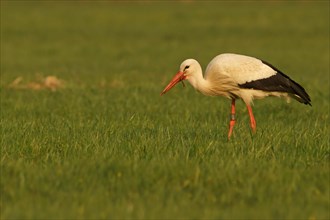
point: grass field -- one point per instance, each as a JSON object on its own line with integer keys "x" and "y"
{"x": 106, "y": 145}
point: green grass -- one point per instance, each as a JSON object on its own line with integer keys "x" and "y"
{"x": 108, "y": 146}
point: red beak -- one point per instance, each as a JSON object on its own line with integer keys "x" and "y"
{"x": 176, "y": 79}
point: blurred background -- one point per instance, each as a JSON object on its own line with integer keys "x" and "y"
{"x": 88, "y": 43}
{"x": 85, "y": 134}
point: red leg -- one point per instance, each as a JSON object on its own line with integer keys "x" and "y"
{"x": 232, "y": 118}
{"x": 253, "y": 123}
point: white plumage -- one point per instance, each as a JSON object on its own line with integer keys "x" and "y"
{"x": 237, "y": 76}
{"x": 240, "y": 68}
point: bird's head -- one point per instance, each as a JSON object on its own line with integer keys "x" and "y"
{"x": 188, "y": 69}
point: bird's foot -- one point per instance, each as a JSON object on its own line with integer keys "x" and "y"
{"x": 253, "y": 127}
{"x": 231, "y": 126}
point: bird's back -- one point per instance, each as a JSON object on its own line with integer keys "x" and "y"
{"x": 239, "y": 68}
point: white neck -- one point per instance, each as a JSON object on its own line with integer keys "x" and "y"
{"x": 198, "y": 82}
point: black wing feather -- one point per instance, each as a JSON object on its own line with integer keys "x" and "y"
{"x": 279, "y": 83}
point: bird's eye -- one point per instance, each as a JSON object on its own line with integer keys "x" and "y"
{"x": 186, "y": 67}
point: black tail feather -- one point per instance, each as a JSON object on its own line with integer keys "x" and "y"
{"x": 301, "y": 92}
{"x": 296, "y": 88}
{"x": 279, "y": 83}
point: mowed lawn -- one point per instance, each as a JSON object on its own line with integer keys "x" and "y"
{"x": 106, "y": 145}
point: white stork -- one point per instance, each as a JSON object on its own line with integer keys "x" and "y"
{"x": 237, "y": 76}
